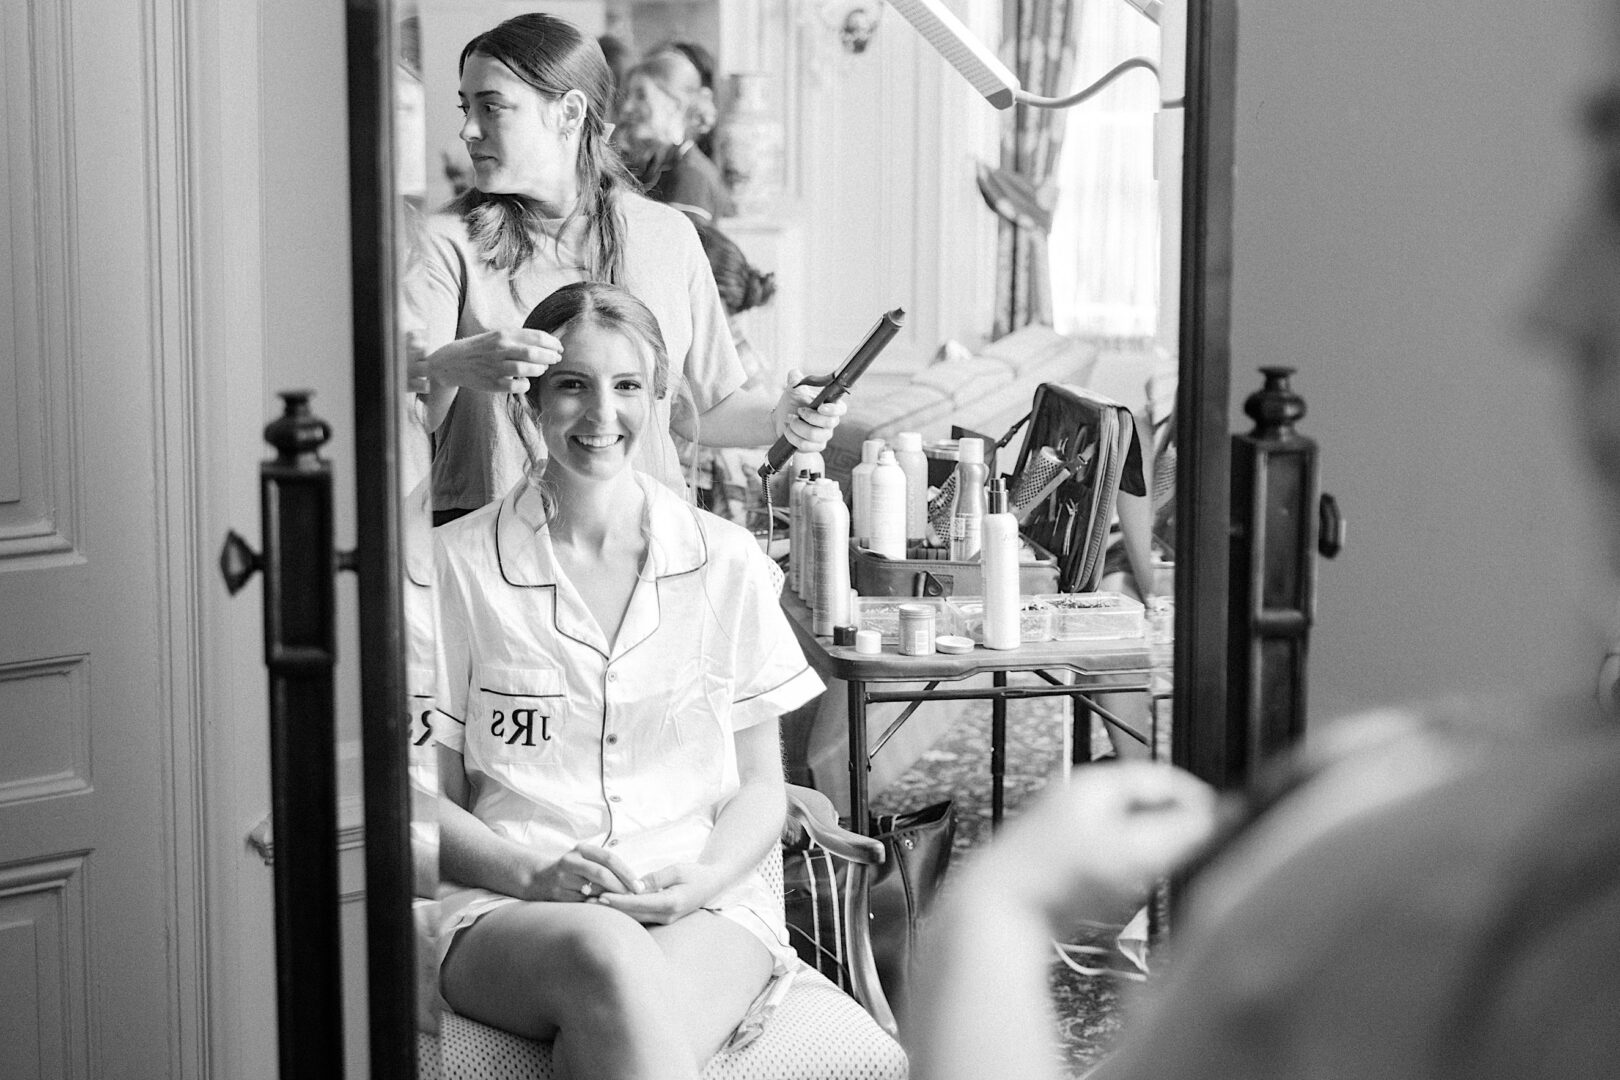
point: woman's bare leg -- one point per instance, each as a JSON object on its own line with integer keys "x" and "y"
{"x": 591, "y": 978}
{"x": 720, "y": 969}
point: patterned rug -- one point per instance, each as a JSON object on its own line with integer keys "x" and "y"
{"x": 958, "y": 767}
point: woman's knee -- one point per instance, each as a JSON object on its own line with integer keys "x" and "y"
{"x": 611, "y": 960}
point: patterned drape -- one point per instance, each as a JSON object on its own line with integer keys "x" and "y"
{"x": 1040, "y": 36}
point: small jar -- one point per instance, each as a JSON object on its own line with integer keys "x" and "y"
{"x": 916, "y": 629}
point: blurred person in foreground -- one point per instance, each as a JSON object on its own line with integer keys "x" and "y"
{"x": 1423, "y": 893}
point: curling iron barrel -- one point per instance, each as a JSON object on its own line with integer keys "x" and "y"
{"x": 838, "y": 384}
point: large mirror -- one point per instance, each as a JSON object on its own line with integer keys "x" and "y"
{"x": 863, "y": 175}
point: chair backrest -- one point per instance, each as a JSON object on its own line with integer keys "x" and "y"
{"x": 1094, "y": 438}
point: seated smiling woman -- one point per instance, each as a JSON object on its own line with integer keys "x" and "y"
{"x": 612, "y": 664}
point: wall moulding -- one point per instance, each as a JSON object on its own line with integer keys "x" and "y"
{"x": 39, "y": 460}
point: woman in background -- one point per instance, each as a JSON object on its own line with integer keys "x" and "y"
{"x": 552, "y": 204}
{"x": 612, "y": 664}
{"x": 661, "y": 109}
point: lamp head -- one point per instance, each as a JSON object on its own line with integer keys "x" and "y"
{"x": 945, "y": 32}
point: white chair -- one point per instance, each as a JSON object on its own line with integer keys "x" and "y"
{"x": 817, "y": 1033}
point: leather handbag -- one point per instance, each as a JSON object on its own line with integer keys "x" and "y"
{"x": 917, "y": 852}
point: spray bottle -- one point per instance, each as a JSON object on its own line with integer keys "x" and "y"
{"x": 908, "y": 454}
{"x": 967, "y": 510}
{"x": 860, "y": 485}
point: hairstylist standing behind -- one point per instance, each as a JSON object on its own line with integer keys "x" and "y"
{"x": 551, "y": 204}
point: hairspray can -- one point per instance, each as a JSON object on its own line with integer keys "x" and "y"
{"x": 967, "y": 508}
{"x": 829, "y": 520}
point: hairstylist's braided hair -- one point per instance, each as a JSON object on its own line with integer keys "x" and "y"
{"x": 551, "y": 55}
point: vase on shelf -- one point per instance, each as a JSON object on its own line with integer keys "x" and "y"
{"x": 750, "y": 143}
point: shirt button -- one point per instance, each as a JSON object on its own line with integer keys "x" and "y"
{"x": 615, "y": 798}
{"x": 612, "y": 843}
{"x": 613, "y": 676}
{"x": 612, "y": 739}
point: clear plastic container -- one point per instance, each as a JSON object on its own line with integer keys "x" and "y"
{"x": 1094, "y": 616}
{"x": 1035, "y": 618}
{"x": 882, "y": 613}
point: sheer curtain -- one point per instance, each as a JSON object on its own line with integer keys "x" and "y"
{"x": 1104, "y": 244}
{"x": 1041, "y": 35}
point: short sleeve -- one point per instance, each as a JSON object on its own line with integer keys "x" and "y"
{"x": 713, "y": 370}
{"x": 435, "y": 287}
{"x": 772, "y": 675}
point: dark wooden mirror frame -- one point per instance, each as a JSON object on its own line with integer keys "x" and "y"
{"x": 1200, "y": 734}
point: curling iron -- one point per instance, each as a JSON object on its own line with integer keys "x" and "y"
{"x": 838, "y": 384}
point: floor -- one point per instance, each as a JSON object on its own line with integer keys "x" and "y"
{"x": 957, "y": 767}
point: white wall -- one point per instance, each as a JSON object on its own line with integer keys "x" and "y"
{"x": 1398, "y": 168}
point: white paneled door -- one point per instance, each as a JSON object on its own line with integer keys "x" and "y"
{"x": 90, "y": 949}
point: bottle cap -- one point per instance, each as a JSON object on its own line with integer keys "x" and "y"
{"x": 953, "y": 643}
{"x": 996, "y": 499}
{"x": 886, "y": 457}
{"x": 970, "y": 450}
{"x": 868, "y": 642}
{"x": 870, "y": 448}
{"x": 908, "y": 441}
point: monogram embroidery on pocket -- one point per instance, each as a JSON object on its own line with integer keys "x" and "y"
{"x": 520, "y": 713}
{"x": 519, "y": 725}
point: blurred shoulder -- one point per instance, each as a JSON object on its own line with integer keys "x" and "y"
{"x": 1468, "y": 790}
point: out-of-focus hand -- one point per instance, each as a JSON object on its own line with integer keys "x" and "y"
{"x": 496, "y": 361}
{"x": 807, "y": 429}
{"x": 417, "y": 380}
{"x": 585, "y": 873}
{"x": 671, "y": 893}
{"x": 1096, "y": 845}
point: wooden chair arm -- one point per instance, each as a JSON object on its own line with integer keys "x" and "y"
{"x": 811, "y": 811}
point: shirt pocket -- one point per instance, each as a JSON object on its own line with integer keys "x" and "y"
{"x": 517, "y": 714}
{"x": 425, "y": 723}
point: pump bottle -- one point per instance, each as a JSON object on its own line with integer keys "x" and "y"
{"x": 1000, "y": 558}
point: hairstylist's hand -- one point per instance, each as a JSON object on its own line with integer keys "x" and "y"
{"x": 1093, "y": 847}
{"x": 496, "y": 361}
{"x": 585, "y": 873}
{"x": 417, "y": 376}
{"x": 806, "y": 428}
{"x": 675, "y": 891}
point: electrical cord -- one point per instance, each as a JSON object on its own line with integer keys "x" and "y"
{"x": 1024, "y": 97}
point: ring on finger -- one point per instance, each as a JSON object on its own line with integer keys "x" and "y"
{"x": 585, "y": 889}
